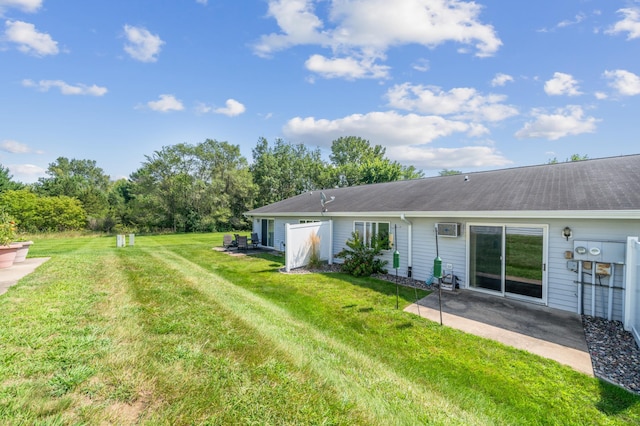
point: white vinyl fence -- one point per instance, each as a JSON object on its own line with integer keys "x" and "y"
{"x": 632, "y": 299}
{"x": 298, "y": 243}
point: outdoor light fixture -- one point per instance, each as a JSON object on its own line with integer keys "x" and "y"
{"x": 567, "y": 233}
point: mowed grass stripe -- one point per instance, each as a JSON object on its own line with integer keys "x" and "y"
{"x": 209, "y": 366}
{"x": 369, "y": 384}
{"x": 141, "y": 335}
{"x": 52, "y": 338}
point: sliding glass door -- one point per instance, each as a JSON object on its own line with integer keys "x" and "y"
{"x": 485, "y": 246}
{"x": 508, "y": 260}
{"x": 268, "y": 232}
{"x": 523, "y": 264}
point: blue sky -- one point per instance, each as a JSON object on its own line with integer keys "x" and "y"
{"x": 440, "y": 83}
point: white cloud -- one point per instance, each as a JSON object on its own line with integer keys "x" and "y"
{"x": 232, "y": 108}
{"x": 404, "y": 136}
{"x": 66, "y": 89}
{"x": 461, "y": 103}
{"x": 349, "y": 68}
{"x": 364, "y": 31}
{"x": 26, "y": 173}
{"x": 24, "y": 5}
{"x": 298, "y": 23}
{"x": 600, "y": 95}
{"x": 561, "y": 84}
{"x": 421, "y": 65}
{"x": 563, "y": 122}
{"x": 501, "y": 79}
{"x": 624, "y": 82}
{"x": 29, "y": 40}
{"x": 386, "y": 128}
{"x": 202, "y": 108}
{"x": 202, "y": 2}
{"x": 629, "y": 24}
{"x": 15, "y": 147}
{"x": 568, "y": 22}
{"x": 166, "y": 103}
{"x": 142, "y": 45}
{"x": 448, "y": 158}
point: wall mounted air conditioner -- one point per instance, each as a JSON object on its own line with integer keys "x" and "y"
{"x": 448, "y": 229}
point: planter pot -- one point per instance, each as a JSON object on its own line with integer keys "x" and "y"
{"x": 8, "y": 255}
{"x": 21, "y": 254}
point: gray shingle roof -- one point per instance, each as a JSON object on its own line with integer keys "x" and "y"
{"x": 593, "y": 185}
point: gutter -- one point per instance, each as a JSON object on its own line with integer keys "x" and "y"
{"x": 409, "y": 244}
{"x": 475, "y": 214}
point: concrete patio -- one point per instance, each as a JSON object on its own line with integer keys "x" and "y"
{"x": 551, "y": 333}
{"x": 10, "y": 276}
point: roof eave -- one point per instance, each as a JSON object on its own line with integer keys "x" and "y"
{"x": 525, "y": 214}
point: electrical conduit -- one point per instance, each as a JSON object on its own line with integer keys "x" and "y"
{"x": 409, "y": 244}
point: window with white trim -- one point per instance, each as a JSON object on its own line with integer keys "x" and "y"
{"x": 367, "y": 229}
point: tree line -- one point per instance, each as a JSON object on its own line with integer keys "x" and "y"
{"x": 190, "y": 187}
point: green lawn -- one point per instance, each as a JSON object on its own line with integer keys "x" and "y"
{"x": 172, "y": 332}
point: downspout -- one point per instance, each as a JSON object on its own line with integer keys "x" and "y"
{"x": 409, "y": 244}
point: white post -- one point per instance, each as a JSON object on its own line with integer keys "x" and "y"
{"x": 580, "y": 284}
{"x": 287, "y": 248}
{"x": 131, "y": 239}
{"x": 593, "y": 288}
{"x": 631, "y": 279}
{"x": 611, "y": 283}
{"x": 330, "y": 241}
{"x": 119, "y": 240}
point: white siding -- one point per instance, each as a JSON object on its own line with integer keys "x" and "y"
{"x": 562, "y": 283}
{"x": 343, "y": 227}
{"x": 450, "y": 249}
{"x": 279, "y": 230}
{"x": 632, "y": 315}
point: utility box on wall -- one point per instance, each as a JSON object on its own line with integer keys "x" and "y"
{"x": 599, "y": 251}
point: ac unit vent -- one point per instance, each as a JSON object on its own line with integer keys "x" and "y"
{"x": 448, "y": 229}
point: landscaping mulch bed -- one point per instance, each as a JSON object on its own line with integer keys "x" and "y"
{"x": 404, "y": 281}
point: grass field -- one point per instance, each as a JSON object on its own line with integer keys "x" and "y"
{"x": 171, "y": 332}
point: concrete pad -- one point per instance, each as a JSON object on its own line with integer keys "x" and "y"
{"x": 11, "y": 276}
{"x": 547, "y": 332}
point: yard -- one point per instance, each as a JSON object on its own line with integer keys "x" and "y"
{"x": 170, "y": 331}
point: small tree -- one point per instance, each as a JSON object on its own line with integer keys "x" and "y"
{"x": 360, "y": 258}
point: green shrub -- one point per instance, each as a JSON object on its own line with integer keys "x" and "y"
{"x": 360, "y": 258}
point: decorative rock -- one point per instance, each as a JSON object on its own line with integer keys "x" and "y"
{"x": 614, "y": 353}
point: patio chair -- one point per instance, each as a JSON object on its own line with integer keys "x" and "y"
{"x": 227, "y": 241}
{"x": 242, "y": 243}
{"x": 255, "y": 240}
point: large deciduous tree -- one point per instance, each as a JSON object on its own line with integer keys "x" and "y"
{"x": 6, "y": 182}
{"x": 284, "y": 170}
{"x": 355, "y": 162}
{"x": 186, "y": 188}
{"x": 80, "y": 179}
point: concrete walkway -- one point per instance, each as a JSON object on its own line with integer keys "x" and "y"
{"x": 547, "y": 332}
{"x": 11, "y": 276}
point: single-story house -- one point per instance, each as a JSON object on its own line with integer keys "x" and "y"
{"x": 562, "y": 235}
